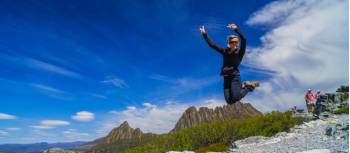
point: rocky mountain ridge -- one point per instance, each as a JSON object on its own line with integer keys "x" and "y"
{"x": 192, "y": 116}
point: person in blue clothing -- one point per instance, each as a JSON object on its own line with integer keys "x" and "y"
{"x": 234, "y": 89}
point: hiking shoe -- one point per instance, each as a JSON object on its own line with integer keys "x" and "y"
{"x": 251, "y": 83}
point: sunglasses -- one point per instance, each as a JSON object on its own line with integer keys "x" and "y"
{"x": 233, "y": 42}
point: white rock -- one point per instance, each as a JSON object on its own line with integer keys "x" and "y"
{"x": 180, "y": 152}
{"x": 317, "y": 151}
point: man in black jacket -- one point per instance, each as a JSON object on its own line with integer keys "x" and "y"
{"x": 234, "y": 89}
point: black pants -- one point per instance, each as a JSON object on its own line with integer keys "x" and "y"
{"x": 233, "y": 90}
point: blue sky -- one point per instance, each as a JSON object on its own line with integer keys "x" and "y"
{"x": 79, "y": 68}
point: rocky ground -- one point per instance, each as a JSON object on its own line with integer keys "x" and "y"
{"x": 319, "y": 136}
{"x": 329, "y": 133}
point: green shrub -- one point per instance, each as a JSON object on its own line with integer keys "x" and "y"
{"x": 220, "y": 133}
{"x": 344, "y": 110}
{"x": 213, "y": 148}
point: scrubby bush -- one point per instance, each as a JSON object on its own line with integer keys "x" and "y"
{"x": 344, "y": 110}
{"x": 213, "y": 147}
{"x": 219, "y": 132}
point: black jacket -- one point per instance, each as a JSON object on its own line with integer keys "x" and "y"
{"x": 230, "y": 61}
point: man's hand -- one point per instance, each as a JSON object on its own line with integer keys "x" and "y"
{"x": 202, "y": 30}
{"x": 232, "y": 26}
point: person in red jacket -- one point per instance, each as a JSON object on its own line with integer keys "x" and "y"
{"x": 309, "y": 99}
{"x": 318, "y": 95}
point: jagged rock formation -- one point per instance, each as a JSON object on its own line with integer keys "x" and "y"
{"x": 123, "y": 132}
{"x": 192, "y": 116}
{"x": 121, "y": 138}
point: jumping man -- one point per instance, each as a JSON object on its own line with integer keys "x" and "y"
{"x": 234, "y": 89}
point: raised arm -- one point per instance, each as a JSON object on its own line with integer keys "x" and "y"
{"x": 209, "y": 41}
{"x": 241, "y": 37}
{"x": 243, "y": 43}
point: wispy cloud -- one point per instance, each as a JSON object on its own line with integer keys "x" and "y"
{"x": 115, "y": 82}
{"x": 13, "y": 129}
{"x": 49, "y": 124}
{"x": 47, "y": 88}
{"x": 98, "y": 95}
{"x": 40, "y": 65}
{"x": 275, "y": 12}
{"x": 3, "y": 133}
{"x": 83, "y": 116}
{"x": 4, "y": 116}
{"x": 51, "y": 68}
{"x": 74, "y": 135}
{"x": 306, "y": 48}
{"x": 179, "y": 86}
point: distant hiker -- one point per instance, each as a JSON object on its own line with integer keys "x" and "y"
{"x": 234, "y": 89}
{"x": 318, "y": 95}
{"x": 309, "y": 99}
{"x": 294, "y": 110}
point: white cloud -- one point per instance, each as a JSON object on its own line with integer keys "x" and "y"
{"x": 153, "y": 118}
{"x": 212, "y": 103}
{"x": 3, "y": 133}
{"x": 54, "y": 122}
{"x": 307, "y": 48}
{"x": 4, "y": 116}
{"x": 274, "y": 12}
{"x": 49, "y": 124}
{"x": 149, "y": 105}
{"x": 83, "y": 116}
{"x": 115, "y": 82}
{"x": 13, "y": 129}
{"x": 41, "y": 127}
{"x": 75, "y": 135}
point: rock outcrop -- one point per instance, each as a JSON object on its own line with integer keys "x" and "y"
{"x": 121, "y": 138}
{"x": 301, "y": 138}
{"x": 331, "y": 102}
{"x": 123, "y": 132}
{"x": 192, "y": 116}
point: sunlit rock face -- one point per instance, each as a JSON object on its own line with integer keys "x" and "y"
{"x": 192, "y": 116}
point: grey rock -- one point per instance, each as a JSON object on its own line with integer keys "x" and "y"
{"x": 307, "y": 138}
{"x": 331, "y": 102}
{"x": 60, "y": 150}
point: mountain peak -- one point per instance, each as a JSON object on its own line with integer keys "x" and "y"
{"x": 125, "y": 124}
{"x": 124, "y": 131}
{"x": 192, "y": 116}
